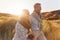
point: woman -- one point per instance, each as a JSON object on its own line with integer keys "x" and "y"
{"x": 22, "y": 26}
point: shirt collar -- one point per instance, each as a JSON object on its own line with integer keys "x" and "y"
{"x": 37, "y": 14}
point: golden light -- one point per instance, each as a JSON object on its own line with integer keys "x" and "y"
{"x": 13, "y": 7}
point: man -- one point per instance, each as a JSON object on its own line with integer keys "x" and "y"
{"x": 36, "y": 23}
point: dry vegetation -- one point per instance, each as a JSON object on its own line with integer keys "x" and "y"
{"x": 51, "y": 25}
{"x": 51, "y": 29}
{"x": 7, "y": 26}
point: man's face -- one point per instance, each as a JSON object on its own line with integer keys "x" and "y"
{"x": 37, "y": 8}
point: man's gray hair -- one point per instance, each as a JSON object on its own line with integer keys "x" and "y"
{"x": 37, "y": 4}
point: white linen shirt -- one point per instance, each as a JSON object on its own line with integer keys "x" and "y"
{"x": 20, "y": 32}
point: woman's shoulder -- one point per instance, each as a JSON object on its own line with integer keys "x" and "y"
{"x": 20, "y": 27}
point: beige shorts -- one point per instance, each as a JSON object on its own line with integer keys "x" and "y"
{"x": 39, "y": 35}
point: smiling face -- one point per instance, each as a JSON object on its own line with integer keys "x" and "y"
{"x": 37, "y": 8}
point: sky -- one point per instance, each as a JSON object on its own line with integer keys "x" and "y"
{"x": 16, "y": 6}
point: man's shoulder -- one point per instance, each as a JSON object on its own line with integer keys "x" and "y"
{"x": 33, "y": 14}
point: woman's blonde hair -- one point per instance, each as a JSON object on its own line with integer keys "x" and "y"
{"x": 25, "y": 20}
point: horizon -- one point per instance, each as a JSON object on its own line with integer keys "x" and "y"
{"x": 16, "y": 6}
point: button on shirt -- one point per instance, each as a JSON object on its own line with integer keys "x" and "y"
{"x": 34, "y": 21}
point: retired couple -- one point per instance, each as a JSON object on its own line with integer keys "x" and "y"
{"x": 29, "y": 26}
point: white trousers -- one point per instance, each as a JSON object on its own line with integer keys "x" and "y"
{"x": 39, "y": 35}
